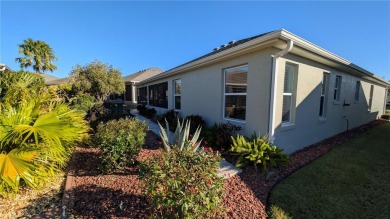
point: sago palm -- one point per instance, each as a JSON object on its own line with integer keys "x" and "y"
{"x": 37, "y": 54}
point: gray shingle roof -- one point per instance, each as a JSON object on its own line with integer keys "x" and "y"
{"x": 231, "y": 44}
{"x": 143, "y": 74}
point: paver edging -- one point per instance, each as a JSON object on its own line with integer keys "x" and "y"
{"x": 68, "y": 197}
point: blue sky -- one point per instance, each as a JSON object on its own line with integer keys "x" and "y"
{"x": 133, "y": 36}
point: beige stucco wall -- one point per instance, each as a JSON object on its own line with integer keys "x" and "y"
{"x": 203, "y": 91}
{"x": 203, "y": 94}
{"x": 308, "y": 128}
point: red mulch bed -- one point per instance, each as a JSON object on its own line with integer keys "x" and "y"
{"x": 245, "y": 195}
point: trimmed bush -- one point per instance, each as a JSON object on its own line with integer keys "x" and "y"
{"x": 223, "y": 135}
{"x": 184, "y": 184}
{"x": 147, "y": 112}
{"x": 121, "y": 141}
{"x": 196, "y": 121}
{"x": 171, "y": 117}
{"x": 183, "y": 181}
{"x": 257, "y": 151}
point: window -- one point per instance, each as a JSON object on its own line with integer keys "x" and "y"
{"x": 324, "y": 95}
{"x": 235, "y": 92}
{"x": 177, "y": 94}
{"x": 288, "y": 93}
{"x": 357, "y": 91}
{"x": 371, "y": 96}
{"x": 337, "y": 88}
{"x": 142, "y": 95}
{"x": 158, "y": 95}
{"x": 128, "y": 92}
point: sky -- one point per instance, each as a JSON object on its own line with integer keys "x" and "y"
{"x": 133, "y": 36}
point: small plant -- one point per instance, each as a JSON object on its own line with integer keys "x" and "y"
{"x": 196, "y": 121}
{"x": 184, "y": 184}
{"x": 257, "y": 151}
{"x": 171, "y": 117}
{"x": 181, "y": 138}
{"x": 224, "y": 133}
{"x": 121, "y": 141}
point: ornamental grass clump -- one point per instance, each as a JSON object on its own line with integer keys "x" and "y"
{"x": 183, "y": 181}
{"x": 258, "y": 151}
{"x": 120, "y": 141}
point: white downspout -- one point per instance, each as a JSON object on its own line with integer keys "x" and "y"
{"x": 274, "y": 82}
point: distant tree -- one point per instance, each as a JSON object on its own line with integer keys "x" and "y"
{"x": 37, "y": 54}
{"x": 97, "y": 79}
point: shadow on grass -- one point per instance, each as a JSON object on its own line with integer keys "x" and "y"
{"x": 262, "y": 185}
{"x": 101, "y": 202}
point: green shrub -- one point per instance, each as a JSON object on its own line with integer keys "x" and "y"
{"x": 83, "y": 101}
{"x": 257, "y": 151}
{"x": 147, "y": 112}
{"x": 171, "y": 117}
{"x": 121, "y": 141}
{"x": 184, "y": 184}
{"x": 196, "y": 121}
{"x": 208, "y": 135}
{"x": 223, "y": 135}
{"x": 183, "y": 181}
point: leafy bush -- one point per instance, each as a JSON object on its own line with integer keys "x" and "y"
{"x": 257, "y": 151}
{"x": 208, "y": 135}
{"x": 223, "y": 135}
{"x": 83, "y": 101}
{"x": 147, "y": 112}
{"x": 171, "y": 117}
{"x": 196, "y": 121}
{"x": 183, "y": 181}
{"x": 121, "y": 141}
{"x": 184, "y": 184}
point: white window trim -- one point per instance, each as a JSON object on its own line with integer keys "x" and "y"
{"x": 337, "y": 87}
{"x": 370, "y": 98}
{"x": 231, "y": 94}
{"x": 286, "y": 125}
{"x": 176, "y": 95}
{"x": 325, "y": 95}
{"x": 357, "y": 91}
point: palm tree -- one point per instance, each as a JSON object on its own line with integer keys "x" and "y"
{"x": 37, "y": 54}
{"x": 37, "y": 134}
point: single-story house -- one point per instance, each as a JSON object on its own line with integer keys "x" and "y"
{"x": 56, "y": 81}
{"x": 275, "y": 83}
{"x": 131, "y": 81}
{"x": 4, "y": 67}
{"x": 130, "y": 94}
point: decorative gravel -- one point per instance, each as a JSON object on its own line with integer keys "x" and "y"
{"x": 45, "y": 203}
{"x": 245, "y": 195}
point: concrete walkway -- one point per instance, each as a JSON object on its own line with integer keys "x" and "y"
{"x": 226, "y": 169}
{"x": 152, "y": 126}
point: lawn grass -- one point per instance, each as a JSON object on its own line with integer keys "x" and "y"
{"x": 351, "y": 181}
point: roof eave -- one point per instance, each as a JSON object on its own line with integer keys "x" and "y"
{"x": 246, "y": 45}
{"x": 281, "y": 34}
